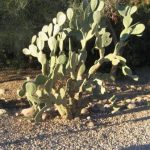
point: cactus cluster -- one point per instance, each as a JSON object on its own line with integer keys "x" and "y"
{"x": 64, "y": 78}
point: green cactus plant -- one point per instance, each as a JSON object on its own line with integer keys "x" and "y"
{"x": 129, "y": 29}
{"x": 64, "y": 76}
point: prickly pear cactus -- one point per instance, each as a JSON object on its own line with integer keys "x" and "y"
{"x": 64, "y": 77}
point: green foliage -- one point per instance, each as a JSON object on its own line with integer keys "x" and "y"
{"x": 136, "y": 54}
{"x": 68, "y": 67}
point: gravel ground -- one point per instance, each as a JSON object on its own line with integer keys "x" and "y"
{"x": 127, "y": 130}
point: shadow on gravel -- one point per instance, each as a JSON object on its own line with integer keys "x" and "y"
{"x": 131, "y": 94}
{"x": 25, "y": 140}
{"x": 14, "y": 104}
{"x": 138, "y": 109}
{"x": 128, "y": 111}
{"x": 121, "y": 95}
{"x": 128, "y": 121}
{"x": 13, "y": 75}
{"x": 39, "y": 137}
{"x": 138, "y": 147}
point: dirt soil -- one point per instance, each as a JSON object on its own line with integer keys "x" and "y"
{"x": 128, "y": 129}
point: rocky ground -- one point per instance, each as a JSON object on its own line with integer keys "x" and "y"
{"x": 128, "y": 129}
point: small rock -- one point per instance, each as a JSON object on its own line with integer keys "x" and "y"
{"x": 57, "y": 117}
{"x": 122, "y": 104}
{"x": 88, "y": 118}
{"x": 118, "y": 88}
{"x": 19, "y": 98}
{"x": 29, "y": 121}
{"x": 133, "y": 87}
{"x": 133, "y": 100}
{"x": 84, "y": 111}
{"x": 107, "y": 106}
{"x": 90, "y": 104}
{"x": 90, "y": 124}
{"x": 2, "y": 91}
{"x": 100, "y": 102}
{"x": 105, "y": 101}
{"x": 77, "y": 119}
{"x": 20, "y": 120}
{"x": 33, "y": 123}
{"x": 6, "y": 100}
{"x": 139, "y": 88}
{"x": 138, "y": 99}
{"x": 146, "y": 98}
{"x": 28, "y": 112}
{"x": 128, "y": 100}
{"x": 16, "y": 114}
{"x": 2, "y": 112}
{"x": 108, "y": 91}
{"x": 28, "y": 78}
{"x": 131, "y": 106}
{"x": 44, "y": 116}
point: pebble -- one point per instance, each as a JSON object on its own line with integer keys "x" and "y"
{"x": 131, "y": 106}
{"x": 118, "y": 88}
{"x": 133, "y": 100}
{"x": 128, "y": 100}
{"x": 44, "y": 116}
{"x": 28, "y": 112}
{"x": 139, "y": 88}
{"x": 146, "y": 98}
{"x": 16, "y": 114}
{"x": 90, "y": 104}
{"x": 84, "y": 111}
{"x": 139, "y": 99}
{"x": 29, "y": 121}
{"x": 107, "y": 106}
{"x": 2, "y": 112}
{"x": 77, "y": 119}
{"x": 2, "y": 91}
{"x": 90, "y": 124}
{"x": 121, "y": 104}
{"x": 19, "y": 98}
{"x": 132, "y": 87}
{"x": 88, "y": 118}
{"x": 20, "y": 120}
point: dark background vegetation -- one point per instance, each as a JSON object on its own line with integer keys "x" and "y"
{"x": 21, "y": 19}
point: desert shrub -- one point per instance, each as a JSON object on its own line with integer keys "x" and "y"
{"x": 64, "y": 80}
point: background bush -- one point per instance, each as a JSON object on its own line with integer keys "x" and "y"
{"x": 137, "y": 51}
{"x": 20, "y": 19}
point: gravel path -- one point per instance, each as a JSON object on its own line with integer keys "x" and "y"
{"x": 127, "y": 131}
